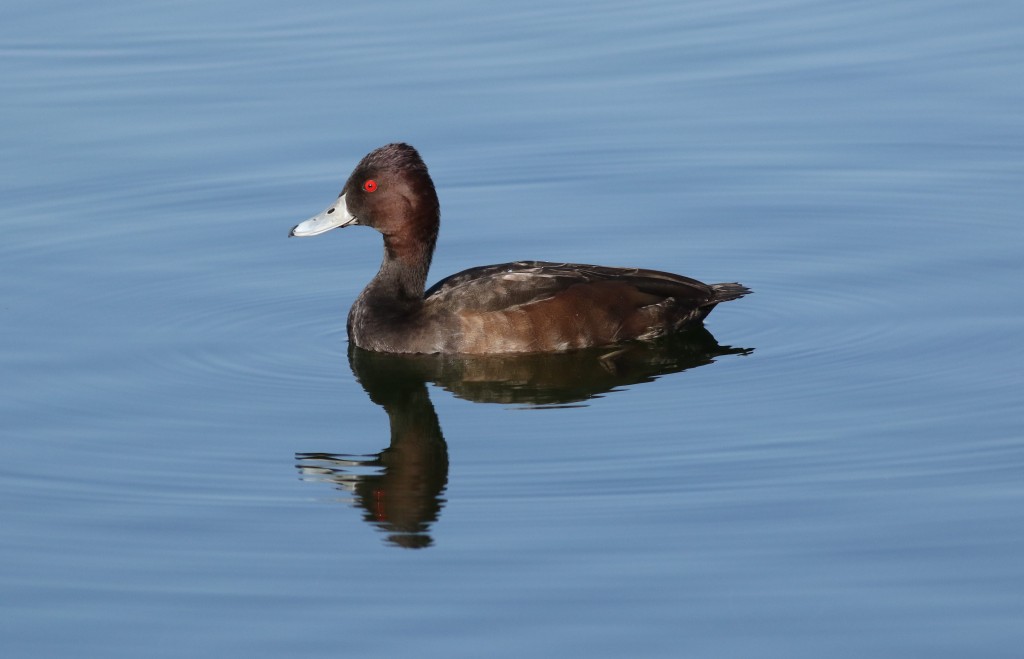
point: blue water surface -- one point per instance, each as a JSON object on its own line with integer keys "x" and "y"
{"x": 192, "y": 464}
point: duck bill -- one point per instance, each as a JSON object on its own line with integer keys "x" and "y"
{"x": 334, "y": 216}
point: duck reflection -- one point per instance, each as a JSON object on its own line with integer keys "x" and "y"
{"x": 401, "y": 488}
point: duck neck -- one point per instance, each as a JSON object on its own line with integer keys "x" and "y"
{"x": 402, "y": 277}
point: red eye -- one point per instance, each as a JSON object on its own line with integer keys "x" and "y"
{"x": 370, "y": 185}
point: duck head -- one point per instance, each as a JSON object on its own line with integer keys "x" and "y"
{"x": 391, "y": 191}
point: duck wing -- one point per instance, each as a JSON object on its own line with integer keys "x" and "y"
{"x": 497, "y": 287}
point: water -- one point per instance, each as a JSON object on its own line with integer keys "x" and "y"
{"x": 190, "y": 465}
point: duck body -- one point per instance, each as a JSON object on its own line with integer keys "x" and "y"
{"x": 520, "y": 307}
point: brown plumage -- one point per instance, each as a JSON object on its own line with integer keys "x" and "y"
{"x": 526, "y": 306}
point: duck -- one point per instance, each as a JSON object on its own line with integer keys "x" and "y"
{"x": 519, "y": 307}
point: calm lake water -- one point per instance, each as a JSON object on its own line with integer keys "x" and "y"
{"x": 192, "y": 463}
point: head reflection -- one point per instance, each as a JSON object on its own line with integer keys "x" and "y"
{"x": 401, "y": 488}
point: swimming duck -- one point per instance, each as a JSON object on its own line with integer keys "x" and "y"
{"x": 520, "y": 307}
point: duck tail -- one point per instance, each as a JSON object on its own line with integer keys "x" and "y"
{"x": 731, "y": 291}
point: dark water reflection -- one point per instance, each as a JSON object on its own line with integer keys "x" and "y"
{"x": 401, "y": 489}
